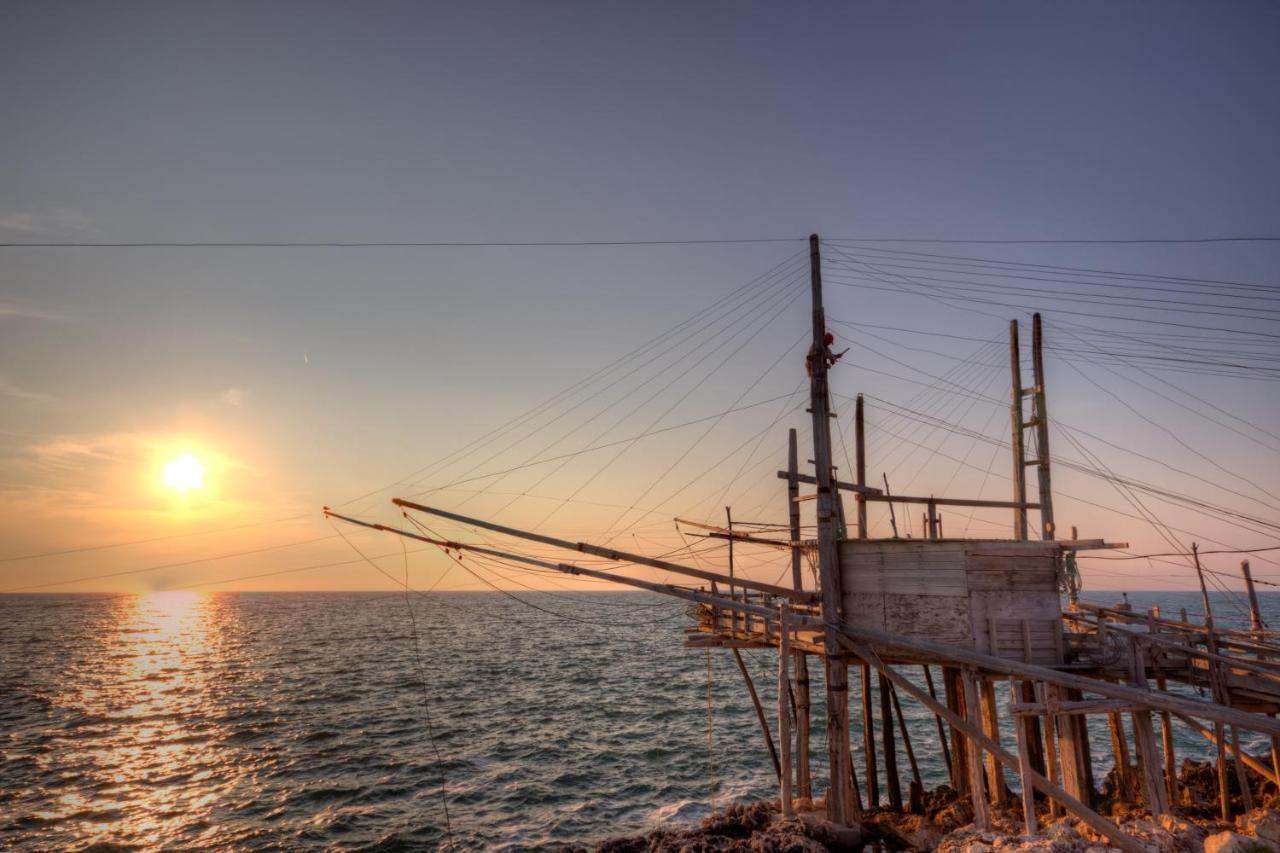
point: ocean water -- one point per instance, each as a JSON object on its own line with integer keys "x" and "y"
{"x": 354, "y": 720}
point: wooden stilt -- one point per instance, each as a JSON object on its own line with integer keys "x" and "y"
{"x": 953, "y": 688}
{"x": 1242, "y": 776}
{"x": 1166, "y": 743}
{"x": 1051, "y": 746}
{"x": 942, "y": 731}
{"x": 1024, "y": 770}
{"x": 755, "y": 703}
{"x": 869, "y": 741}
{"x": 1095, "y": 821}
{"x": 996, "y": 788}
{"x": 916, "y": 797}
{"x": 1073, "y": 777}
{"x": 973, "y": 713}
{"x": 889, "y": 747}
{"x": 1120, "y": 755}
{"x": 784, "y": 712}
{"x": 1269, "y": 773}
{"x": 1035, "y": 745}
{"x": 1219, "y": 692}
{"x": 804, "y": 784}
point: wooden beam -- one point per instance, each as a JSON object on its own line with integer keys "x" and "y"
{"x": 755, "y": 703}
{"x": 611, "y": 554}
{"x": 868, "y": 491}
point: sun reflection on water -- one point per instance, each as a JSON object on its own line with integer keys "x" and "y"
{"x": 148, "y": 687}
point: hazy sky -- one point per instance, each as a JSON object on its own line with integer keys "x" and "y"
{"x": 304, "y": 377}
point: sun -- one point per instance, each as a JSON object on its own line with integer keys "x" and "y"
{"x": 184, "y": 474}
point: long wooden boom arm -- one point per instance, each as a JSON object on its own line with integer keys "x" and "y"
{"x": 621, "y": 556}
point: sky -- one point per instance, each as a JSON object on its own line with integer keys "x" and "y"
{"x": 306, "y": 377}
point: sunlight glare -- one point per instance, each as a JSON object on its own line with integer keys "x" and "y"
{"x": 184, "y": 473}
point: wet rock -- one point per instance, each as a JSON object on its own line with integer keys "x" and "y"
{"x": 1263, "y": 824}
{"x": 1233, "y": 842}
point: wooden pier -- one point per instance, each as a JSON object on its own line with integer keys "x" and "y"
{"x": 980, "y": 621}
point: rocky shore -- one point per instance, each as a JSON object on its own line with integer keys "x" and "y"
{"x": 946, "y": 826}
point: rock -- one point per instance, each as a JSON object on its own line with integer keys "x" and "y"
{"x": 1261, "y": 823}
{"x": 1232, "y": 842}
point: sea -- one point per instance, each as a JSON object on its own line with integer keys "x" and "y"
{"x": 385, "y": 721}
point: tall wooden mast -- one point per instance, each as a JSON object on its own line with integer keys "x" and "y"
{"x": 841, "y": 806}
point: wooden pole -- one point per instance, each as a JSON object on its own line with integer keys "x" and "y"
{"x": 841, "y": 806}
{"x": 1255, "y": 615}
{"x": 1047, "y": 529}
{"x": 1051, "y": 746}
{"x": 733, "y": 593}
{"x": 893, "y": 517}
{"x": 916, "y": 796}
{"x": 784, "y": 711}
{"x": 889, "y": 746}
{"x": 942, "y": 731}
{"x": 860, "y": 465}
{"x": 869, "y": 740}
{"x": 755, "y": 703}
{"x": 1120, "y": 755}
{"x": 804, "y": 786}
{"x": 793, "y": 508}
{"x": 1019, "y": 453}
{"x": 996, "y": 788}
{"x": 1024, "y": 771}
{"x": 1166, "y": 742}
{"x": 1224, "y": 794}
{"x": 598, "y": 551}
{"x": 973, "y": 714}
{"x": 1144, "y": 740}
{"x": 953, "y": 689}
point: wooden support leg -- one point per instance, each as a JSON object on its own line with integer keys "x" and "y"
{"x": 889, "y": 747}
{"x": 804, "y": 783}
{"x": 1149, "y": 764}
{"x": 1166, "y": 742}
{"x": 1084, "y": 757}
{"x": 764, "y": 724}
{"x": 1096, "y": 821}
{"x": 1120, "y": 754}
{"x": 953, "y": 687}
{"x": 1024, "y": 769}
{"x": 1242, "y": 777}
{"x": 981, "y": 812}
{"x": 841, "y": 806}
{"x": 996, "y": 787}
{"x": 784, "y": 714}
{"x": 942, "y": 731}
{"x": 1072, "y": 771}
{"x": 1224, "y": 793}
{"x": 1035, "y": 745}
{"x": 1051, "y": 748}
{"x": 869, "y": 741}
{"x": 915, "y": 798}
